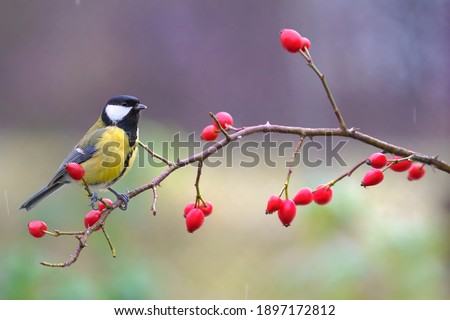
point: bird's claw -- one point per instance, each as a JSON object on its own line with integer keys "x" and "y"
{"x": 121, "y": 196}
{"x": 94, "y": 199}
{"x": 124, "y": 197}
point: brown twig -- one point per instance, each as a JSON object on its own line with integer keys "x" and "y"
{"x": 155, "y": 197}
{"x": 108, "y": 239}
{"x": 347, "y": 174}
{"x": 225, "y": 133}
{"x": 155, "y": 155}
{"x": 321, "y": 76}
{"x": 198, "y": 197}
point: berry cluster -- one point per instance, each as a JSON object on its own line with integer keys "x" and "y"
{"x": 195, "y": 213}
{"x": 211, "y": 132}
{"x": 287, "y": 208}
{"x": 92, "y": 216}
{"x": 379, "y": 161}
{"x": 293, "y": 42}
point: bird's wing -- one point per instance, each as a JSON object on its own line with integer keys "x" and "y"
{"x": 82, "y": 152}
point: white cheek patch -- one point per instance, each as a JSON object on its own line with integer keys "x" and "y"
{"x": 117, "y": 113}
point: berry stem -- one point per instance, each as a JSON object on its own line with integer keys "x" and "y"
{"x": 394, "y": 161}
{"x": 57, "y": 233}
{"x": 86, "y": 187}
{"x": 347, "y": 174}
{"x": 225, "y": 133}
{"x": 387, "y": 166}
{"x": 291, "y": 163}
{"x": 198, "y": 197}
{"x": 321, "y": 76}
{"x": 108, "y": 239}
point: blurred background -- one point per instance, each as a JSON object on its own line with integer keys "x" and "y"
{"x": 388, "y": 65}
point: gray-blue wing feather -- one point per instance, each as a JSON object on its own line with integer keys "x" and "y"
{"x": 78, "y": 155}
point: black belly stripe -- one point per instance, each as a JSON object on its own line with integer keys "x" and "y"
{"x": 125, "y": 165}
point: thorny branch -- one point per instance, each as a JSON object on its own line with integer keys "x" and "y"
{"x": 201, "y": 156}
{"x": 342, "y": 131}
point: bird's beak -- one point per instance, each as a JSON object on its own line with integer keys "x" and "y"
{"x": 140, "y": 106}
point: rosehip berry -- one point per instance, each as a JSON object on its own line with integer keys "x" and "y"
{"x": 400, "y": 166}
{"x": 287, "y": 212}
{"x": 303, "y": 197}
{"x": 188, "y": 208}
{"x": 273, "y": 204}
{"x": 194, "y": 220}
{"x": 377, "y": 160}
{"x": 225, "y": 120}
{"x": 36, "y": 228}
{"x": 101, "y": 206}
{"x": 209, "y": 133}
{"x": 416, "y": 171}
{"x": 306, "y": 43}
{"x": 91, "y": 218}
{"x": 291, "y": 40}
{"x": 373, "y": 177}
{"x": 208, "y": 209}
{"x": 75, "y": 170}
{"x": 322, "y": 194}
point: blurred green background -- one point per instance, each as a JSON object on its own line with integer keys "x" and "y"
{"x": 388, "y": 65}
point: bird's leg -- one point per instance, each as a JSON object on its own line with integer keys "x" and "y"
{"x": 121, "y": 196}
{"x": 94, "y": 199}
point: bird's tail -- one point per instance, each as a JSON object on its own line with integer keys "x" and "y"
{"x": 41, "y": 195}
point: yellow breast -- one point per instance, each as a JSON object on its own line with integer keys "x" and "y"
{"x": 113, "y": 159}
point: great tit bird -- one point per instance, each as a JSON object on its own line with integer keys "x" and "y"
{"x": 106, "y": 152}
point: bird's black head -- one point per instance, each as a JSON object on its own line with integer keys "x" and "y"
{"x": 122, "y": 109}
{"x": 123, "y": 112}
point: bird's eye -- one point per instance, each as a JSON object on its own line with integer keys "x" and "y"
{"x": 124, "y": 104}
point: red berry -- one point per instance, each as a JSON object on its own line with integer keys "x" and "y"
{"x": 373, "y": 177}
{"x": 91, "y": 218}
{"x": 194, "y": 220}
{"x": 287, "y": 212}
{"x": 36, "y": 228}
{"x": 101, "y": 206}
{"x": 225, "y": 120}
{"x": 291, "y": 40}
{"x": 377, "y": 160}
{"x": 306, "y": 43}
{"x": 188, "y": 208}
{"x": 322, "y": 194}
{"x": 400, "y": 166}
{"x": 273, "y": 204}
{"x": 75, "y": 170}
{"x": 303, "y": 197}
{"x": 208, "y": 209}
{"x": 416, "y": 171}
{"x": 209, "y": 133}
